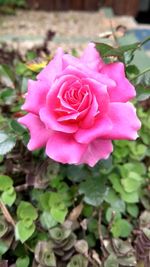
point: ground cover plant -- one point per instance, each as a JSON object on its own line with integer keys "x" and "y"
{"x": 54, "y": 214}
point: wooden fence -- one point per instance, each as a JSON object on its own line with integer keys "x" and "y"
{"x": 64, "y": 4}
{"x": 120, "y": 7}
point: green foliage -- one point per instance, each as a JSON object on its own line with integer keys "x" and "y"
{"x": 94, "y": 190}
{"x": 121, "y": 228}
{"x": 8, "y": 195}
{"x": 3, "y": 248}
{"x": 47, "y": 221}
{"x": 111, "y": 261}
{"x": 53, "y": 213}
{"x": 25, "y": 211}
{"x": 7, "y": 143}
{"x": 55, "y": 204}
{"x": 78, "y": 260}
{"x": 5, "y": 182}
{"x": 23, "y": 262}
{"x": 24, "y": 229}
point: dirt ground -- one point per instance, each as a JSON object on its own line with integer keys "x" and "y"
{"x": 73, "y": 29}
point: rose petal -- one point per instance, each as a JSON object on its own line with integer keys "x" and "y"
{"x": 64, "y": 87}
{"x": 36, "y": 96}
{"x": 124, "y": 120}
{"x": 51, "y": 122}
{"x": 39, "y": 134}
{"x": 63, "y": 148}
{"x": 81, "y": 71}
{"x": 54, "y": 67}
{"x": 101, "y": 128}
{"x": 97, "y": 150}
{"x": 99, "y": 90}
{"x": 91, "y": 114}
{"x": 124, "y": 90}
{"x": 56, "y": 91}
{"x": 91, "y": 58}
{"x": 72, "y": 116}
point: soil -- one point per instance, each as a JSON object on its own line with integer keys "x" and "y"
{"x": 73, "y": 29}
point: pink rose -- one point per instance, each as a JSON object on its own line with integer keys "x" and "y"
{"x": 77, "y": 106}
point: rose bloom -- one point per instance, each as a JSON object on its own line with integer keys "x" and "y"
{"x": 77, "y": 106}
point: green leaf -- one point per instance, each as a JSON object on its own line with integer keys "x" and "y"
{"x": 143, "y": 92}
{"x": 15, "y": 126}
{"x": 23, "y": 262}
{"x": 6, "y": 143}
{"x": 121, "y": 228}
{"x": 5, "y": 182}
{"x": 108, "y": 51}
{"x": 130, "y": 185}
{"x": 8, "y": 71}
{"x": 47, "y": 221}
{"x": 49, "y": 258}
{"x": 7, "y": 75}
{"x": 111, "y": 213}
{"x": 114, "y": 200}
{"x": 59, "y": 233}
{"x": 9, "y": 197}
{"x": 7, "y": 96}
{"x": 87, "y": 210}
{"x": 143, "y": 77}
{"x": 133, "y": 210}
{"x": 24, "y": 85}
{"x": 59, "y": 213}
{"x": 132, "y": 197}
{"x": 77, "y": 173}
{"x": 21, "y": 68}
{"x": 44, "y": 201}
{"x": 93, "y": 226}
{"x": 22, "y": 232}
{"x": 55, "y": 199}
{"x": 104, "y": 49}
{"x": 132, "y": 71}
{"x": 134, "y": 167}
{"x": 94, "y": 190}
{"x": 78, "y": 261}
{"x": 44, "y": 254}
{"x": 138, "y": 150}
{"x": 128, "y": 56}
{"x": 111, "y": 261}
{"x": 91, "y": 240}
{"x": 142, "y": 83}
{"x": 26, "y": 210}
{"x": 127, "y": 197}
{"x": 3, "y": 247}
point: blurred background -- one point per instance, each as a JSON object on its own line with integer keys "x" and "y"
{"x": 26, "y": 24}
{"x": 122, "y": 7}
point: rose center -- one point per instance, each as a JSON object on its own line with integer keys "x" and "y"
{"x": 73, "y": 101}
